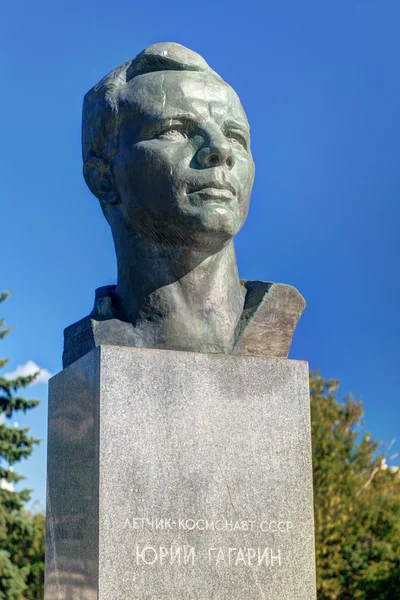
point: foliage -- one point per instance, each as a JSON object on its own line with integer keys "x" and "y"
{"x": 357, "y": 503}
{"x": 21, "y": 534}
{"x": 33, "y": 557}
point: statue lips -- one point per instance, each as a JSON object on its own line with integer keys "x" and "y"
{"x": 213, "y": 190}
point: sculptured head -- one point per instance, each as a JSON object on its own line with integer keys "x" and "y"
{"x": 166, "y": 143}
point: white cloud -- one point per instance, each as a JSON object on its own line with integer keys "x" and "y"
{"x": 29, "y": 368}
{"x": 6, "y": 485}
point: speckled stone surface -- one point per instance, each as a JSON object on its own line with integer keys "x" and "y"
{"x": 177, "y": 475}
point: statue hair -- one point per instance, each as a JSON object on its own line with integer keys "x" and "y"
{"x": 101, "y": 115}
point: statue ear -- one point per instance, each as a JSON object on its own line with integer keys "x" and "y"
{"x": 98, "y": 176}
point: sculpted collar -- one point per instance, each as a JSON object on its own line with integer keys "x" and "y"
{"x": 270, "y": 315}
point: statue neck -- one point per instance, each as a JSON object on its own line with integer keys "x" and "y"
{"x": 179, "y": 298}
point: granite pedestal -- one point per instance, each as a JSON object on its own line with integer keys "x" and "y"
{"x": 177, "y": 475}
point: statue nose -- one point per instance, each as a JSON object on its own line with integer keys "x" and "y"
{"x": 216, "y": 152}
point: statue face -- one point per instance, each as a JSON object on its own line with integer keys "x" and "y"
{"x": 183, "y": 171}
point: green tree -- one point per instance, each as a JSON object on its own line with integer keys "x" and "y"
{"x": 21, "y": 534}
{"x": 33, "y": 557}
{"x": 357, "y": 502}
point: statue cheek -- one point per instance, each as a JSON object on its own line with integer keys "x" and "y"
{"x": 150, "y": 155}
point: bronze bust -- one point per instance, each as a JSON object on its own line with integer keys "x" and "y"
{"x": 166, "y": 150}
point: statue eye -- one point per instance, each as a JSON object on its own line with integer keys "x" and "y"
{"x": 237, "y": 138}
{"x": 174, "y": 132}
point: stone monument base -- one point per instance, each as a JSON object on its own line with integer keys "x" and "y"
{"x": 177, "y": 475}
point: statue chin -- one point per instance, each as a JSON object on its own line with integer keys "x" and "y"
{"x": 211, "y": 228}
{"x": 208, "y": 229}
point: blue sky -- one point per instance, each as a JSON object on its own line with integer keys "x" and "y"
{"x": 319, "y": 82}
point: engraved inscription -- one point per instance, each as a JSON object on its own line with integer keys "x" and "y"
{"x": 248, "y": 557}
{"x": 228, "y": 557}
{"x": 180, "y": 555}
{"x": 169, "y": 524}
{"x": 215, "y": 555}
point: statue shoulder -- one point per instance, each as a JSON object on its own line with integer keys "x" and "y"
{"x": 80, "y": 338}
{"x": 78, "y": 341}
{"x": 270, "y": 315}
{"x": 101, "y": 327}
